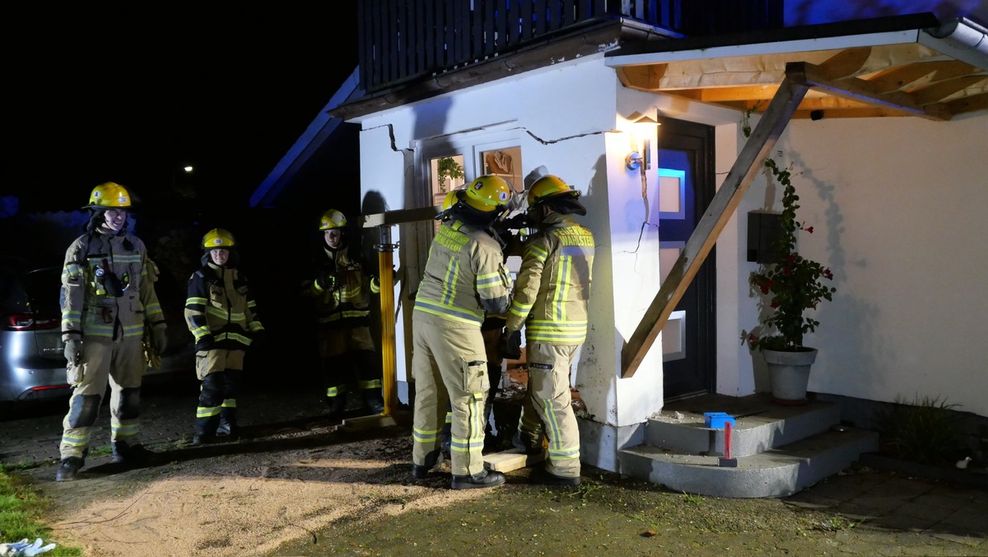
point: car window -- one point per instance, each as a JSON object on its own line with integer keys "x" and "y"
{"x": 13, "y": 297}
{"x": 42, "y": 288}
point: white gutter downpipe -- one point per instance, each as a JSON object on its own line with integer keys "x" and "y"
{"x": 961, "y": 38}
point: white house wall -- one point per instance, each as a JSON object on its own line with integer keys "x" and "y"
{"x": 898, "y": 208}
{"x": 559, "y": 116}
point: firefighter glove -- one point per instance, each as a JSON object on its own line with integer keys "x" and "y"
{"x": 510, "y": 344}
{"x": 205, "y": 343}
{"x": 25, "y": 548}
{"x": 159, "y": 338}
{"x": 326, "y": 280}
{"x": 73, "y": 350}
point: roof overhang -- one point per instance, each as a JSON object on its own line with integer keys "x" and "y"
{"x": 933, "y": 72}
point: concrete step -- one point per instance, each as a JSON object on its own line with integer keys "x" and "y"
{"x": 774, "y": 473}
{"x": 763, "y": 426}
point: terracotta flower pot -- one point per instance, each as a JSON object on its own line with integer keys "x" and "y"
{"x": 790, "y": 373}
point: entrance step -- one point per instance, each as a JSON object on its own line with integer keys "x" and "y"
{"x": 760, "y": 425}
{"x": 777, "y": 472}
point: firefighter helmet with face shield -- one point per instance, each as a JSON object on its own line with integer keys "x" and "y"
{"x": 487, "y": 194}
{"x": 547, "y": 187}
{"x": 109, "y": 195}
{"x": 218, "y": 238}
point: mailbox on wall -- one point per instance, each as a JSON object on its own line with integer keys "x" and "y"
{"x": 764, "y": 230}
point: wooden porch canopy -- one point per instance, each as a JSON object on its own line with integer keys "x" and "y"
{"x": 879, "y": 80}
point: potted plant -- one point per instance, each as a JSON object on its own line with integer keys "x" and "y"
{"x": 448, "y": 169}
{"x": 790, "y": 287}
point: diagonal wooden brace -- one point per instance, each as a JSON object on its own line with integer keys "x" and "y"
{"x": 704, "y": 236}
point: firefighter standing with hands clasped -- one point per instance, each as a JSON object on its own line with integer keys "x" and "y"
{"x": 107, "y": 300}
{"x": 341, "y": 291}
{"x": 222, "y": 316}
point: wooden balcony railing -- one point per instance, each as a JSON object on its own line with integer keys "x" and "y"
{"x": 402, "y": 40}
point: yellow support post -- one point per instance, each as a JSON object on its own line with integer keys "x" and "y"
{"x": 389, "y": 366}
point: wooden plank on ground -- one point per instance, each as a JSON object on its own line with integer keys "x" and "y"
{"x": 746, "y": 167}
{"x": 511, "y": 460}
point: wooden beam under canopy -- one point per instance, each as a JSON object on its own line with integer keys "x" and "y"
{"x": 725, "y": 201}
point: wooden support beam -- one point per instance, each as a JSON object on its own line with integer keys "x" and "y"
{"x": 902, "y": 76}
{"x": 845, "y": 64}
{"x": 725, "y": 201}
{"x": 859, "y": 89}
{"x": 860, "y": 112}
{"x": 940, "y": 91}
{"x": 968, "y": 104}
{"x": 647, "y": 77}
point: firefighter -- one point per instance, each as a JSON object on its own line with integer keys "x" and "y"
{"x": 107, "y": 300}
{"x": 550, "y": 301}
{"x": 221, "y": 314}
{"x": 464, "y": 279}
{"x": 341, "y": 291}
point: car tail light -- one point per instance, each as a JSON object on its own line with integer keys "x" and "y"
{"x": 28, "y": 322}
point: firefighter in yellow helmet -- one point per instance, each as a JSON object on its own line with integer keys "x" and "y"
{"x": 464, "y": 279}
{"x": 550, "y": 300}
{"x": 107, "y": 300}
{"x": 221, "y": 314}
{"x": 341, "y": 291}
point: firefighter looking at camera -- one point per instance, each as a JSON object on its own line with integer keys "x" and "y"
{"x": 107, "y": 300}
{"x": 341, "y": 291}
{"x": 222, "y": 316}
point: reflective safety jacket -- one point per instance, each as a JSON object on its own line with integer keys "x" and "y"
{"x": 345, "y": 303}
{"x": 220, "y": 304}
{"x": 553, "y": 285}
{"x": 106, "y": 289}
{"x": 464, "y": 276}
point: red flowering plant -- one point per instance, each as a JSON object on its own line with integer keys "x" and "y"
{"x": 790, "y": 286}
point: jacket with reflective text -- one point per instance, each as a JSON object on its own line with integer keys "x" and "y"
{"x": 553, "y": 286}
{"x": 464, "y": 276}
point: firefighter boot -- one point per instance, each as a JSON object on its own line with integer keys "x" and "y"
{"x": 483, "y": 479}
{"x": 374, "y": 401}
{"x": 130, "y": 455}
{"x": 68, "y": 468}
{"x": 420, "y": 471}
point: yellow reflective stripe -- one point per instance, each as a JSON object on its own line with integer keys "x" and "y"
{"x": 255, "y": 326}
{"x": 554, "y": 441}
{"x": 222, "y": 313}
{"x": 124, "y": 430}
{"x": 80, "y": 440}
{"x": 375, "y": 285}
{"x": 200, "y": 332}
{"x": 371, "y": 384}
{"x": 559, "y": 300}
{"x": 536, "y": 252}
{"x": 316, "y": 287}
{"x": 332, "y": 391}
{"x": 449, "y": 282}
{"x": 229, "y": 403}
{"x": 564, "y": 454}
{"x": 71, "y": 314}
{"x": 425, "y": 435}
{"x": 449, "y": 417}
{"x": 207, "y": 411}
{"x": 195, "y": 300}
{"x": 234, "y": 336}
{"x": 251, "y": 304}
{"x": 127, "y": 258}
{"x": 520, "y": 309}
{"x": 450, "y": 312}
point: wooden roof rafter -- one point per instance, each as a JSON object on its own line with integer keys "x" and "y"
{"x": 892, "y": 80}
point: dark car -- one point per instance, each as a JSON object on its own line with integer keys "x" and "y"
{"x": 32, "y": 366}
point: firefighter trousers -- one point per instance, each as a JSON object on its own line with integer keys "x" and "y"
{"x": 118, "y": 362}
{"x": 220, "y": 370}
{"x": 548, "y": 408}
{"x": 450, "y": 368}
{"x": 347, "y": 355}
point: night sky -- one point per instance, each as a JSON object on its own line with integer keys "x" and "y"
{"x": 91, "y": 97}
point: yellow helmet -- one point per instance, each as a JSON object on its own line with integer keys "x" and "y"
{"x": 110, "y": 195}
{"x": 450, "y": 200}
{"x": 487, "y": 194}
{"x": 218, "y": 238}
{"x": 332, "y": 219}
{"x": 549, "y": 186}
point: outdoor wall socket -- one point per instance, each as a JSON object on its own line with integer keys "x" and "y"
{"x": 764, "y": 230}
